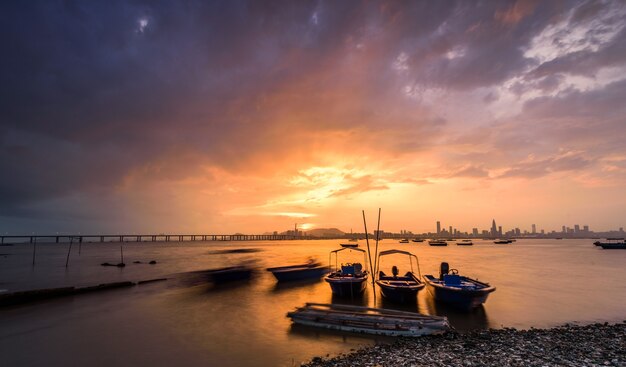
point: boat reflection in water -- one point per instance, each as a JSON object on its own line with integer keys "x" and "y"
{"x": 460, "y": 320}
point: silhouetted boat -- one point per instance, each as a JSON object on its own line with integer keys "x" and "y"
{"x": 502, "y": 241}
{"x": 460, "y": 291}
{"x": 350, "y": 279}
{"x": 310, "y": 270}
{"x": 349, "y": 245}
{"x": 368, "y": 320}
{"x": 612, "y": 244}
{"x": 438, "y": 243}
{"x": 417, "y": 240}
{"x": 229, "y": 274}
{"x": 404, "y": 240}
{"x": 465, "y": 243}
{"x": 399, "y": 288}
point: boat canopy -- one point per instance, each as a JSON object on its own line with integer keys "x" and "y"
{"x": 346, "y": 248}
{"x": 410, "y": 255}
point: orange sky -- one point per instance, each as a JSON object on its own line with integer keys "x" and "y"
{"x": 250, "y": 119}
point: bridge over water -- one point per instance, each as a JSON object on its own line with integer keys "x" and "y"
{"x": 6, "y": 239}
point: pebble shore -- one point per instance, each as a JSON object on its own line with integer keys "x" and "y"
{"x": 568, "y": 345}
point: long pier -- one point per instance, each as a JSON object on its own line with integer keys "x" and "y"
{"x": 6, "y": 239}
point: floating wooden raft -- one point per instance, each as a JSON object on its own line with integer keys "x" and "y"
{"x": 368, "y": 320}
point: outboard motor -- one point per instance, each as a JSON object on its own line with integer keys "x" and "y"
{"x": 394, "y": 271}
{"x": 443, "y": 270}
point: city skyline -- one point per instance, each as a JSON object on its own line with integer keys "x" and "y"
{"x": 248, "y": 116}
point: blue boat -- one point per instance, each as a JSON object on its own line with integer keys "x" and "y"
{"x": 459, "y": 291}
{"x": 399, "y": 288}
{"x": 350, "y": 279}
{"x": 310, "y": 270}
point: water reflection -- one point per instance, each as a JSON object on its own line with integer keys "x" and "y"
{"x": 294, "y": 285}
{"x": 356, "y": 300}
{"x": 461, "y": 320}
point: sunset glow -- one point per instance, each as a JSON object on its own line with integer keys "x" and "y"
{"x": 217, "y": 118}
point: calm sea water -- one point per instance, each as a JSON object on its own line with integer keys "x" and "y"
{"x": 540, "y": 283}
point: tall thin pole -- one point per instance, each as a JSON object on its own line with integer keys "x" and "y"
{"x": 34, "y": 250}
{"x": 377, "y": 238}
{"x": 369, "y": 254}
{"x": 122, "y": 253}
{"x": 69, "y": 250}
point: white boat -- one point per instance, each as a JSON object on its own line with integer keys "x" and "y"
{"x": 368, "y": 320}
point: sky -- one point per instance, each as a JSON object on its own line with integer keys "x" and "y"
{"x": 252, "y": 116}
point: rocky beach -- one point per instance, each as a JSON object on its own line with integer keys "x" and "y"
{"x": 568, "y": 345}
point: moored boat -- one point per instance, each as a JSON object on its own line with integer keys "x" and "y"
{"x": 465, "y": 243}
{"x": 368, "y": 320}
{"x": 502, "y": 241}
{"x": 459, "y": 291}
{"x": 437, "y": 243}
{"x": 310, "y": 270}
{"x": 348, "y": 280}
{"x": 349, "y": 245}
{"x": 404, "y": 240}
{"x": 399, "y": 288}
{"x": 612, "y": 244}
{"x": 417, "y": 240}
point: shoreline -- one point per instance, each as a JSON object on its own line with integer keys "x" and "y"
{"x": 568, "y": 345}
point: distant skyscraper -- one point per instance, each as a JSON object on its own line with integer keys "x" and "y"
{"x": 475, "y": 231}
{"x": 494, "y": 229}
{"x": 586, "y": 228}
{"x": 564, "y": 229}
{"x": 576, "y": 228}
{"x": 438, "y": 227}
{"x": 450, "y": 231}
{"x": 534, "y": 229}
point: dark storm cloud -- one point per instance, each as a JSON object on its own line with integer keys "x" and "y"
{"x": 90, "y": 91}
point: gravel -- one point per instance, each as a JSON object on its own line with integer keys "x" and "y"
{"x": 568, "y": 345}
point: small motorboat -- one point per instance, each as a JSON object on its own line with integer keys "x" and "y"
{"x": 417, "y": 240}
{"x": 404, "y": 240}
{"x": 348, "y": 280}
{"x": 465, "y": 243}
{"x": 459, "y": 291}
{"x": 368, "y": 320}
{"x": 438, "y": 243}
{"x": 230, "y": 274}
{"x": 310, "y": 270}
{"x": 502, "y": 241}
{"x": 399, "y": 288}
{"x": 349, "y": 245}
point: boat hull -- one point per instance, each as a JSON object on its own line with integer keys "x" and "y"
{"x": 347, "y": 286}
{"x": 458, "y": 298}
{"x": 229, "y": 275}
{"x": 288, "y": 275}
{"x": 400, "y": 295}
{"x": 613, "y": 246}
{"x": 368, "y": 320}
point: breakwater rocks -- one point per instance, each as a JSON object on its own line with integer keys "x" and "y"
{"x": 590, "y": 345}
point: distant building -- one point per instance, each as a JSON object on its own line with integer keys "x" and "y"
{"x": 534, "y": 231}
{"x": 438, "y": 227}
{"x": 494, "y": 229}
{"x": 474, "y": 231}
{"x": 586, "y": 228}
{"x": 576, "y": 228}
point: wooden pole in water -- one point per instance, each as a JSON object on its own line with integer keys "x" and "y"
{"x": 34, "y": 250}
{"x": 369, "y": 254}
{"x": 69, "y": 250}
{"x": 377, "y": 238}
{"x": 122, "y": 253}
